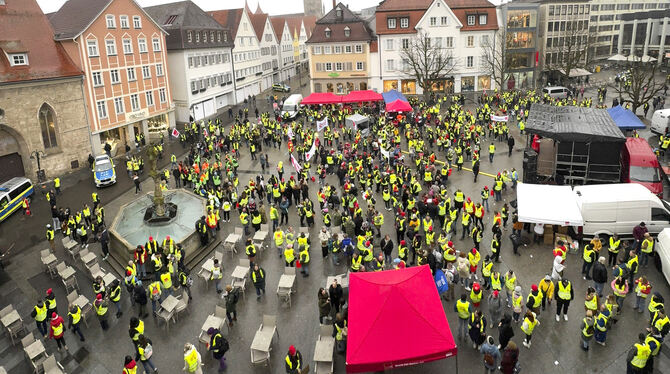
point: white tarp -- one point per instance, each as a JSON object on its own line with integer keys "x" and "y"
{"x": 553, "y": 205}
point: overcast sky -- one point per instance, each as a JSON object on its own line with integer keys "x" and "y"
{"x": 269, "y": 6}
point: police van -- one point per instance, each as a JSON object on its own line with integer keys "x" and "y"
{"x": 103, "y": 171}
{"x": 12, "y": 194}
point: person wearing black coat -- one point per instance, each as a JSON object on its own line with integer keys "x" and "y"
{"x": 387, "y": 247}
{"x": 599, "y": 275}
{"x": 510, "y": 145}
{"x": 336, "y": 294}
{"x": 140, "y": 295}
{"x": 505, "y": 331}
{"x": 475, "y": 169}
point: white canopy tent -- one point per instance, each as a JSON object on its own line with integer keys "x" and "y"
{"x": 552, "y": 205}
{"x": 617, "y": 57}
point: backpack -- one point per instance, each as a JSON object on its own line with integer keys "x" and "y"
{"x": 489, "y": 360}
{"x": 224, "y": 345}
{"x": 236, "y": 296}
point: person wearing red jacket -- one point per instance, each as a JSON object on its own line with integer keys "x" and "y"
{"x": 129, "y": 366}
{"x": 57, "y": 330}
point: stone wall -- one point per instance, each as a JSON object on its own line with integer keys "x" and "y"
{"x": 21, "y": 104}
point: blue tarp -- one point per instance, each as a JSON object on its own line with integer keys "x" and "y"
{"x": 625, "y": 119}
{"x": 392, "y": 96}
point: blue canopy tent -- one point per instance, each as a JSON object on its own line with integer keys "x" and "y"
{"x": 392, "y": 96}
{"x": 625, "y": 119}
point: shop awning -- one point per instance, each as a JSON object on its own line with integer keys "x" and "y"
{"x": 625, "y": 119}
{"x": 548, "y": 204}
{"x": 321, "y": 98}
{"x": 398, "y": 106}
{"x": 361, "y": 96}
{"x": 392, "y": 96}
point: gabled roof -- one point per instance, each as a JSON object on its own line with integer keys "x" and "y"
{"x": 188, "y": 15}
{"x": 388, "y": 5}
{"x": 278, "y": 26}
{"x": 75, "y": 16}
{"x": 258, "y": 21}
{"x": 358, "y": 28}
{"x": 347, "y": 15}
{"x": 258, "y": 9}
{"x": 294, "y": 25}
{"x": 25, "y": 29}
{"x": 469, "y": 3}
{"x": 228, "y": 18}
{"x": 310, "y": 22}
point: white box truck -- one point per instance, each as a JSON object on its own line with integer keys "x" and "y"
{"x": 291, "y": 106}
{"x": 662, "y": 248}
{"x": 659, "y": 121}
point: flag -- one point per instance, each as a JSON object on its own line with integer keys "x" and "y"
{"x": 320, "y": 125}
{"x": 290, "y": 132}
{"x": 295, "y": 164}
{"x": 175, "y": 133}
{"x": 498, "y": 118}
{"x": 385, "y": 153}
{"x": 204, "y": 132}
{"x": 309, "y": 154}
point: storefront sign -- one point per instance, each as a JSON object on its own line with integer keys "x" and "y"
{"x": 137, "y": 115}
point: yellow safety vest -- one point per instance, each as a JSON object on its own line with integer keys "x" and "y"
{"x": 476, "y": 297}
{"x": 649, "y": 247}
{"x": 289, "y": 255}
{"x": 192, "y": 361}
{"x": 564, "y": 292}
{"x": 463, "y": 308}
{"x": 495, "y": 282}
{"x": 101, "y": 309}
{"x": 527, "y": 326}
{"x": 166, "y": 279}
{"x": 509, "y": 282}
{"x": 57, "y": 330}
{"x": 41, "y": 313}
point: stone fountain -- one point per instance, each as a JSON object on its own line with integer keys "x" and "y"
{"x": 158, "y": 214}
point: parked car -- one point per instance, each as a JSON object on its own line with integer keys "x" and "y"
{"x": 280, "y": 87}
{"x": 103, "y": 171}
{"x": 12, "y": 194}
{"x": 557, "y": 92}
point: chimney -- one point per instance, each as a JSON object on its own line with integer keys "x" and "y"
{"x": 334, "y": 4}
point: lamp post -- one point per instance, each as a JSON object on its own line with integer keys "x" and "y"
{"x": 36, "y": 155}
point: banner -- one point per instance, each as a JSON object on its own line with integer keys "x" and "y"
{"x": 309, "y": 154}
{"x": 320, "y": 125}
{"x": 385, "y": 153}
{"x": 175, "y": 133}
{"x": 290, "y": 132}
{"x": 441, "y": 282}
{"x": 204, "y": 132}
{"x": 498, "y": 118}
{"x": 295, "y": 164}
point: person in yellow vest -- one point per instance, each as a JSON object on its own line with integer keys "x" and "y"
{"x": 50, "y": 301}
{"x": 57, "y": 330}
{"x": 546, "y": 287}
{"x": 620, "y": 288}
{"x": 476, "y": 295}
{"x": 129, "y": 366}
{"x": 613, "y": 249}
{"x": 155, "y": 294}
{"x": 534, "y": 299}
{"x": 74, "y": 319}
{"x": 50, "y": 238}
{"x": 115, "y": 296}
{"x": 647, "y": 249}
{"x": 57, "y": 185}
{"x": 293, "y": 362}
{"x": 340, "y": 330}
{"x": 39, "y": 313}
{"x": 289, "y": 255}
{"x": 587, "y": 328}
{"x": 530, "y": 321}
{"x": 642, "y": 291}
{"x": 192, "y": 359}
{"x": 492, "y": 151}
{"x": 304, "y": 259}
{"x": 100, "y": 306}
{"x": 464, "y": 310}
{"x": 564, "y": 294}
{"x": 145, "y": 350}
{"x": 356, "y": 261}
{"x": 589, "y": 257}
{"x": 279, "y": 240}
{"x": 638, "y": 356}
{"x": 166, "y": 281}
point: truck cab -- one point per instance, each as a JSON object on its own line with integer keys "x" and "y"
{"x": 659, "y": 121}
{"x": 639, "y": 164}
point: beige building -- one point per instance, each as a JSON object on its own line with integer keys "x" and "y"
{"x": 339, "y": 52}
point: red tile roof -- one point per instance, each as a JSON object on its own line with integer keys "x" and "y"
{"x": 469, "y": 3}
{"x": 491, "y": 18}
{"x": 278, "y": 26}
{"x": 310, "y": 22}
{"x": 228, "y": 18}
{"x": 403, "y": 5}
{"x": 258, "y": 22}
{"x": 24, "y": 28}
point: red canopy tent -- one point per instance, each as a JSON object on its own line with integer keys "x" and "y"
{"x": 321, "y": 98}
{"x": 398, "y": 106}
{"x": 376, "y": 340}
{"x": 361, "y": 96}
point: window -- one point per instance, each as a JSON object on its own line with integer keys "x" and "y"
{"x": 142, "y": 45}
{"x": 470, "y": 61}
{"x": 347, "y": 49}
{"x": 159, "y": 70}
{"x": 123, "y": 20}
{"x": 189, "y": 36}
{"x": 337, "y": 49}
{"x": 471, "y": 20}
{"x": 110, "y": 44}
{"x": 404, "y": 22}
{"x": 162, "y": 94}
{"x": 118, "y": 105}
{"x": 433, "y": 21}
{"x": 405, "y": 43}
{"x": 170, "y": 20}
{"x": 485, "y": 40}
{"x": 328, "y": 66}
{"x": 569, "y": 10}
{"x": 444, "y": 21}
{"x": 204, "y": 36}
{"x": 316, "y": 50}
{"x": 114, "y": 76}
{"x": 197, "y": 38}
{"x": 127, "y": 47}
{"x": 449, "y": 42}
{"x": 651, "y": 175}
{"x": 360, "y": 66}
{"x": 18, "y": 59}
{"x": 438, "y": 42}
{"x": 347, "y": 31}
{"x": 92, "y": 46}
{"x": 327, "y": 32}
{"x": 389, "y": 64}
{"x": 150, "y": 98}
{"x": 471, "y": 41}
{"x": 338, "y": 66}
{"x": 156, "y": 44}
{"x": 146, "y": 73}
{"x": 359, "y": 48}
{"x": 97, "y": 78}
{"x": 48, "y": 125}
{"x": 390, "y": 23}
{"x": 111, "y": 21}
{"x": 134, "y": 102}
{"x": 218, "y": 36}
{"x": 102, "y": 109}
{"x": 551, "y": 10}
{"x": 389, "y": 44}
{"x": 137, "y": 22}
{"x": 483, "y": 19}
{"x": 326, "y": 50}
{"x": 131, "y": 74}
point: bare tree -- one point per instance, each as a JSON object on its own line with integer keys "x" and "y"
{"x": 496, "y": 59}
{"x": 638, "y": 85}
{"x": 426, "y": 62}
{"x": 573, "y": 48}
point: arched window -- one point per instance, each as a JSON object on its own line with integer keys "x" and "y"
{"x": 47, "y": 119}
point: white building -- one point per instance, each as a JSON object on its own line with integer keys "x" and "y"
{"x": 269, "y": 48}
{"x": 286, "y": 50}
{"x": 199, "y": 60}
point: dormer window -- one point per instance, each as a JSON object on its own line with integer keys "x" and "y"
{"x": 391, "y": 23}
{"x": 18, "y": 59}
{"x": 338, "y": 13}
{"x": 347, "y": 31}
{"x": 327, "y": 31}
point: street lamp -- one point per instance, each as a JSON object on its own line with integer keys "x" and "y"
{"x": 35, "y": 155}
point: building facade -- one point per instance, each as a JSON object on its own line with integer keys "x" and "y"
{"x": 269, "y": 48}
{"x": 123, "y": 54}
{"x": 42, "y": 101}
{"x": 313, "y": 8}
{"x": 646, "y": 34}
{"x": 520, "y": 22}
{"x": 199, "y": 60}
{"x": 339, "y": 52}
{"x": 606, "y": 18}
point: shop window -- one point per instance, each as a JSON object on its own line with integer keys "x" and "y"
{"x": 467, "y": 83}
{"x": 391, "y": 84}
{"x": 484, "y": 82}
{"x": 408, "y": 86}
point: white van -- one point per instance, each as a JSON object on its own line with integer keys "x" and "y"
{"x": 557, "y": 92}
{"x": 291, "y": 106}
{"x": 663, "y": 250}
{"x": 660, "y": 121}
{"x": 617, "y": 208}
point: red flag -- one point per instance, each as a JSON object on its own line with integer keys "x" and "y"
{"x": 175, "y": 133}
